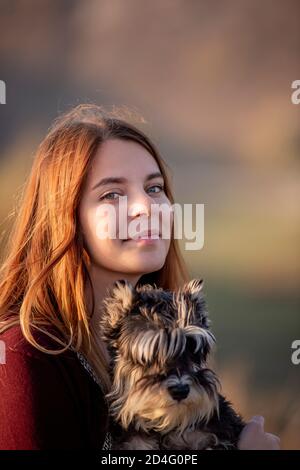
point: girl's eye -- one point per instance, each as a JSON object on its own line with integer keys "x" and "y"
{"x": 159, "y": 186}
{"x": 109, "y": 196}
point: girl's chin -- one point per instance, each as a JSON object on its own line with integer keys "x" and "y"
{"x": 142, "y": 257}
{"x": 143, "y": 263}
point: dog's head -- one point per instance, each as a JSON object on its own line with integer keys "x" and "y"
{"x": 159, "y": 341}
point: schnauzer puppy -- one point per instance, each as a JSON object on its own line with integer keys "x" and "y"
{"x": 164, "y": 396}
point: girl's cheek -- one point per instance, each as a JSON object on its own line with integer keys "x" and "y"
{"x": 104, "y": 222}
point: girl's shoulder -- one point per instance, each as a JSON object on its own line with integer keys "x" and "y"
{"x": 18, "y": 357}
{"x": 21, "y": 361}
{"x": 13, "y": 340}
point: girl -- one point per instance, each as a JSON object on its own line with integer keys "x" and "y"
{"x": 56, "y": 273}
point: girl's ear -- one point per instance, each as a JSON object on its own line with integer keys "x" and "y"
{"x": 116, "y": 305}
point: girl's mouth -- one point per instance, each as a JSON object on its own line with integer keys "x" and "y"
{"x": 143, "y": 241}
{"x": 145, "y": 238}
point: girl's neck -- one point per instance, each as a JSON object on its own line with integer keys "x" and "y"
{"x": 102, "y": 280}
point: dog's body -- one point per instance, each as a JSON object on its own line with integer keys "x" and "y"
{"x": 163, "y": 394}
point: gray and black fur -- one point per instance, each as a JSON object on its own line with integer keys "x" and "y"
{"x": 164, "y": 395}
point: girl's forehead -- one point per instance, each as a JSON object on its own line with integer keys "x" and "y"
{"x": 120, "y": 158}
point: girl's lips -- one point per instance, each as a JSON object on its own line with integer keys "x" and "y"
{"x": 145, "y": 236}
{"x": 144, "y": 241}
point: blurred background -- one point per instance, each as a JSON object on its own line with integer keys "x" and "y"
{"x": 212, "y": 81}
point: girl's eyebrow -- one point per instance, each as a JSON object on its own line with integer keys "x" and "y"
{"x": 120, "y": 180}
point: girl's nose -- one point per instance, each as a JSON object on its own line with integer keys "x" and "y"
{"x": 140, "y": 206}
{"x": 138, "y": 210}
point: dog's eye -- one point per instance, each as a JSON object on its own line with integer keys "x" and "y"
{"x": 191, "y": 345}
{"x": 196, "y": 350}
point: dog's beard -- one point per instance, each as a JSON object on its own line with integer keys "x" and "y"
{"x": 145, "y": 403}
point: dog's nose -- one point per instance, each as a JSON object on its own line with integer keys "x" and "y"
{"x": 179, "y": 391}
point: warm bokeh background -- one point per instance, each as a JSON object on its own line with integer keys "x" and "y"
{"x": 213, "y": 82}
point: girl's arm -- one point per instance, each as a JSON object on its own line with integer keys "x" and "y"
{"x": 37, "y": 407}
{"x": 47, "y": 401}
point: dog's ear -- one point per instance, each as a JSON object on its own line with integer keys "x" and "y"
{"x": 116, "y": 305}
{"x": 193, "y": 291}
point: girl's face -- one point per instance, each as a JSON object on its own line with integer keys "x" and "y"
{"x": 133, "y": 169}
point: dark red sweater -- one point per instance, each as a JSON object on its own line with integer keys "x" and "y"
{"x": 48, "y": 401}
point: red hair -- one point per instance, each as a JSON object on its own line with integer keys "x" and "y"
{"x": 43, "y": 278}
